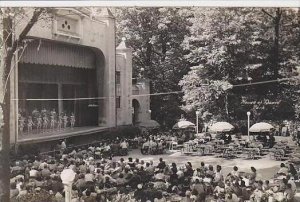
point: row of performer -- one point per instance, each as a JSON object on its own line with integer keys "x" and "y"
{"x": 43, "y": 122}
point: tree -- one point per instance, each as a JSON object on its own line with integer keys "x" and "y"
{"x": 155, "y": 35}
{"x": 9, "y": 47}
{"x": 235, "y": 46}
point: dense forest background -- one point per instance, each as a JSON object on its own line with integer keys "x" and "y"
{"x": 212, "y": 55}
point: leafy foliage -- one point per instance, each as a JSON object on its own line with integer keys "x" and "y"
{"x": 238, "y": 45}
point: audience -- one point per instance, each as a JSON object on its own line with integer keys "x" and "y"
{"x": 100, "y": 177}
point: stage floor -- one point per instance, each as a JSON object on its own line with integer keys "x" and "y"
{"x": 49, "y": 135}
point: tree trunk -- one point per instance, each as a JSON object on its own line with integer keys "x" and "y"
{"x": 10, "y": 46}
{"x": 276, "y": 42}
{"x": 4, "y": 153}
{"x": 226, "y": 105}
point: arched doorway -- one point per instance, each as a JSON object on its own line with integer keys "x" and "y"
{"x": 136, "y": 110}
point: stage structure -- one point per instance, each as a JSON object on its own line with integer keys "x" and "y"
{"x": 71, "y": 79}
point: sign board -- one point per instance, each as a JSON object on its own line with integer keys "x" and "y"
{"x": 245, "y": 101}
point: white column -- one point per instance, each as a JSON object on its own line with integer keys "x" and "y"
{"x": 197, "y": 121}
{"x": 248, "y": 114}
{"x": 68, "y": 192}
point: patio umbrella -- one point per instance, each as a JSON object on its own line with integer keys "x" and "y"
{"x": 260, "y": 127}
{"x": 183, "y": 124}
{"x": 149, "y": 124}
{"x": 221, "y": 127}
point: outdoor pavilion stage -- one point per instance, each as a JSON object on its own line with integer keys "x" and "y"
{"x": 50, "y": 135}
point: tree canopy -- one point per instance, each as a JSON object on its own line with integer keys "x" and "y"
{"x": 156, "y": 35}
{"x": 231, "y": 46}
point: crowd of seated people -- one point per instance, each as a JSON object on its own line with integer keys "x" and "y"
{"x": 99, "y": 177}
{"x": 45, "y": 119}
{"x": 267, "y": 139}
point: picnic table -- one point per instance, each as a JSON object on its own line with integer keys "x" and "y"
{"x": 252, "y": 153}
{"x": 228, "y": 152}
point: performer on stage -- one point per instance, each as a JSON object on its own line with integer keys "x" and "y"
{"x": 29, "y": 124}
{"x": 65, "y": 118}
{"x": 52, "y": 121}
{"x": 72, "y": 120}
{"x": 60, "y": 122}
{"x": 39, "y": 121}
{"x": 44, "y": 112}
{"x": 21, "y": 123}
{"x": 53, "y": 113}
{"x": 45, "y": 122}
{"x": 35, "y": 113}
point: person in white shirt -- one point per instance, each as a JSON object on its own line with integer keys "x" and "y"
{"x": 88, "y": 177}
{"x": 283, "y": 170}
{"x": 235, "y": 172}
{"x": 124, "y": 145}
{"x": 293, "y": 184}
{"x": 63, "y": 145}
{"x": 33, "y": 172}
{"x": 218, "y": 177}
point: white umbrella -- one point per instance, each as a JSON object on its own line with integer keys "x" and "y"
{"x": 221, "y": 127}
{"x": 183, "y": 124}
{"x": 260, "y": 127}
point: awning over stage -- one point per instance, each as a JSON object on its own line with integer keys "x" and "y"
{"x": 52, "y": 53}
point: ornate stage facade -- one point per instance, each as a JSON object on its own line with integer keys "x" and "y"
{"x": 72, "y": 79}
